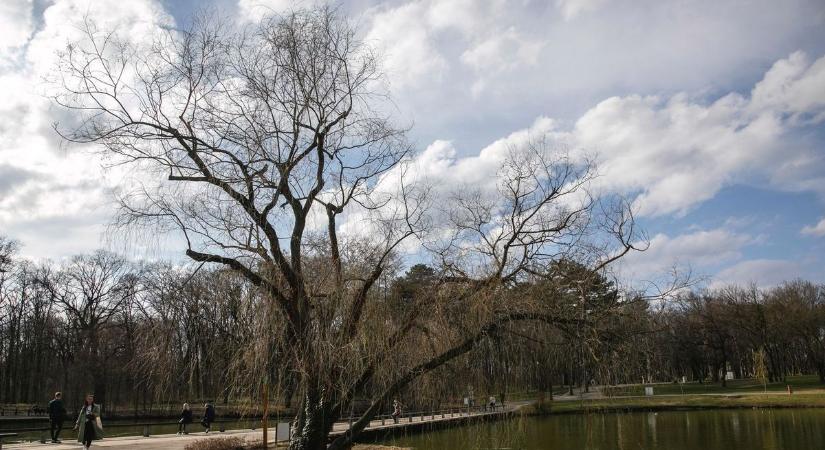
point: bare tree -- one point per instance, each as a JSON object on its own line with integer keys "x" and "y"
{"x": 91, "y": 291}
{"x": 267, "y": 139}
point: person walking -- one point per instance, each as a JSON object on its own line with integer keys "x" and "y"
{"x": 396, "y": 410}
{"x": 185, "y": 419}
{"x": 57, "y": 414}
{"x": 208, "y": 416}
{"x": 88, "y": 425}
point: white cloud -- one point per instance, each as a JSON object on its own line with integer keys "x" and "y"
{"x": 761, "y": 272}
{"x": 815, "y": 230}
{"x": 440, "y": 164}
{"x": 61, "y": 199}
{"x": 794, "y": 86}
{"x": 499, "y": 54}
{"x": 252, "y": 10}
{"x": 619, "y": 48}
{"x": 678, "y": 152}
{"x": 418, "y": 37}
{"x": 407, "y": 45}
{"x": 571, "y": 8}
{"x": 135, "y": 21}
{"x": 17, "y": 25}
{"x": 701, "y": 250}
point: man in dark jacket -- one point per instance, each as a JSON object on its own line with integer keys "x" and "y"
{"x": 57, "y": 413}
{"x": 208, "y": 416}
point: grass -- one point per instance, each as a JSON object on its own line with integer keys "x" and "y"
{"x": 748, "y": 385}
{"x": 808, "y": 392}
{"x": 689, "y": 401}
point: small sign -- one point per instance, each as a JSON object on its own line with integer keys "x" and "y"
{"x": 282, "y": 432}
{"x": 649, "y": 391}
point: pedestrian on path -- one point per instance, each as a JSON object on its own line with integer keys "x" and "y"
{"x": 208, "y": 416}
{"x": 89, "y": 426}
{"x": 185, "y": 419}
{"x": 396, "y": 410}
{"x": 57, "y": 414}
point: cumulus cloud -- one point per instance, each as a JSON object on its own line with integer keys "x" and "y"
{"x": 761, "y": 272}
{"x": 620, "y": 80}
{"x": 815, "y": 230}
{"x": 407, "y": 43}
{"x": 678, "y": 152}
{"x": 674, "y": 153}
{"x": 58, "y": 201}
{"x": 417, "y": 38}
{"x": 440, "y": 162}
{"x": 17, "y": 23}
{"x": 700, "y": 250}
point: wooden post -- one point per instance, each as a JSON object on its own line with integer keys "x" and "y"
{"x": 266, "y": 415}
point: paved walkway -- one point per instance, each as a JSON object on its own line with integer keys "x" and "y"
{"x": 176, "y": 442}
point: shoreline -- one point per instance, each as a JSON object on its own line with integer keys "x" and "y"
{"x": 687, "y": 402}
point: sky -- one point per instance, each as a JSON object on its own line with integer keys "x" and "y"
{"x": 709, "y": 114}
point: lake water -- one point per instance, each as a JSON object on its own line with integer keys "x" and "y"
{"x": 745, "y": 429}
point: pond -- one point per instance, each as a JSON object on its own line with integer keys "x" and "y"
{"x": 746, "y": 429}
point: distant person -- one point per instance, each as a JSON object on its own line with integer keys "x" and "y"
{"x": 208, "y": 416}
{"x": 492, "y": 403}
{"x": 89, "y": 427}
{"x": 57, "y": 414}
{"x": 396, "y": 410}
{"x": 185, "y": 419}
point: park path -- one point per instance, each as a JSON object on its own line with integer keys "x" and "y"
{"x": 176, "y": 442}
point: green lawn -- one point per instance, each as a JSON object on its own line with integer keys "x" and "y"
{"x": 798, "y": 383}
{"x": 745, "y": 400}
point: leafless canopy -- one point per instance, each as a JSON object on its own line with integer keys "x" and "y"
{"x": 256, "y": 144}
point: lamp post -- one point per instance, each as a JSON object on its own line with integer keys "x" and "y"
{"x": 265, "y": 420}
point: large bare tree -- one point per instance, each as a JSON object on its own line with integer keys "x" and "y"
{"x": 260, "y": 143}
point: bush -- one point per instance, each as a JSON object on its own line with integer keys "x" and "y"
{"x": 232, "y": 443}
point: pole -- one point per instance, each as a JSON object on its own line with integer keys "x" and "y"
{"x": 266, "y": 415}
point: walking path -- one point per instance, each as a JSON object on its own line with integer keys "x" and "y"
{"x": 176, "y": 442}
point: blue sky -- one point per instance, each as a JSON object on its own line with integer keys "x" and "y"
{"x": 710, "y": 113}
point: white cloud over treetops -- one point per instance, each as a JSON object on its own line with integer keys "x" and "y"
{"x": 465, "y": 60}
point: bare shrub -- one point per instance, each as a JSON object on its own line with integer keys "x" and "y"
{"x": 231, "y": 443}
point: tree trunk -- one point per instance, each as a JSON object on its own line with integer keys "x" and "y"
{"x": 312, "y": 423}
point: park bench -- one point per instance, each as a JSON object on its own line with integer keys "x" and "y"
{"x": 5, "y": 435}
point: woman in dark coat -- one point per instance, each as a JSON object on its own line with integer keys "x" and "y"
{"x": 185, "y": 419}
{"x": 88, "y": 424}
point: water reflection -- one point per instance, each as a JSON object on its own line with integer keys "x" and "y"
{"x": 746, "y": 429}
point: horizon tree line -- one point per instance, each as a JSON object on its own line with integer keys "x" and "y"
{"x": 145, "y": 337}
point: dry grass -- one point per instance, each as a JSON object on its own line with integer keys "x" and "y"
{"x": 378, "y": 447}
{"x": 232, "y": 443}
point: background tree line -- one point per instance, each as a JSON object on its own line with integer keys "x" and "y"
{"x": 146, "y": 336}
